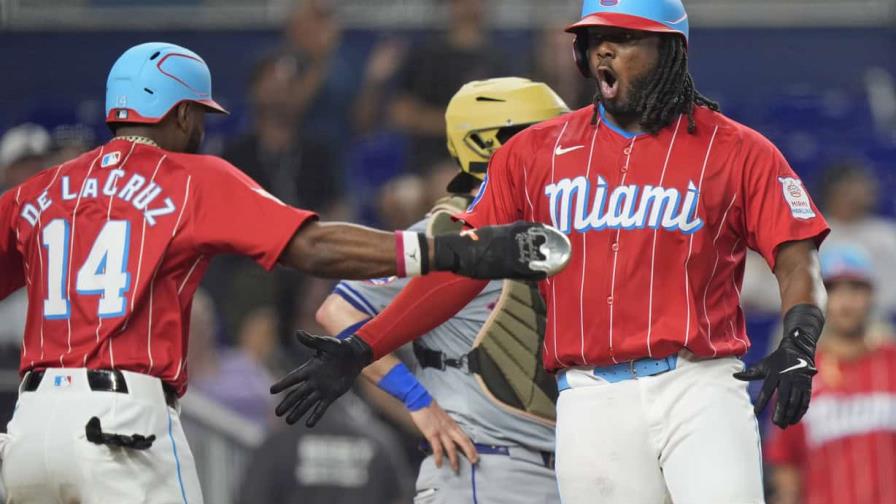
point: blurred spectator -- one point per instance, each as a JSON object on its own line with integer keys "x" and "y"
{"x": 294, "y": 167}
{"x": 844, "y": 449}
{"x": 237, "y": 378}
{"x": 276, "y": 152}
{"x": 560, "y": 73}
{"x": 348, "y": 458}
{"x": 23, "y": 151}
{"x": 382, "y": 65}
{"x": 434, "y": 72}
{"x": 327, "y": 82}
{"x": 849, "y": 197}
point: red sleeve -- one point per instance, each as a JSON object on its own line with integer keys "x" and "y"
{"x": 12, "y": 274}
{"x": 424, "y": 304}
{"x": 786, "y": 446}
{"x": 777, "y": 207}
{"x": 231, "y": 213}
{"x": 499, "y": 198}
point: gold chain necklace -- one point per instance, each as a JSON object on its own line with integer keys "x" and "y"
{"x": 137, "y": 139}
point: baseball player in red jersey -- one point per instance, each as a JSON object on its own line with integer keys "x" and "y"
{"x": 661, "y": 195}
{"x": 844, "y": 449}
{"x": 113, "y": 244}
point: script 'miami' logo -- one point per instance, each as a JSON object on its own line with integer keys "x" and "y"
{"x": 581, "y": 205}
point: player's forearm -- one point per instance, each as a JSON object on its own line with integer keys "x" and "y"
{"x": 521, "y": 250}
{"x": 799, "y": 275}
{"x": 342, "y": 250}
{"x": 380, "y": 368}
{"x": 424, "y": 304}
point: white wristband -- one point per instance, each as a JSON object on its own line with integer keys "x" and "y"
{"x": 408, "y": 255}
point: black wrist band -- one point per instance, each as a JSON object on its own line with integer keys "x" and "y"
{"x": 804, "y": 319}
{"x": 424, "y": 253}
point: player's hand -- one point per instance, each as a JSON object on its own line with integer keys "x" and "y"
{"x": 444, "y": 435}
{"x": 789, "y": 370}
{"x": 522, "y": 250}
{"x": 320, "y": 381}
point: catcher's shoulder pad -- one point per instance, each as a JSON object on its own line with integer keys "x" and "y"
{"x": 507, "y": 354}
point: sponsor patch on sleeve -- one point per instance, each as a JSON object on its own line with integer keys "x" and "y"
{"x": 796, "y": 197}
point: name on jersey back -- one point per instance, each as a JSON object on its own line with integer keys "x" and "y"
{"x": 143, "y": 195}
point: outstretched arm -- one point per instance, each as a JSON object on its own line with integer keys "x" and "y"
{"x": 340, "y": 250}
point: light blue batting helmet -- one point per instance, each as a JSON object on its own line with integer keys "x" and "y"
{"x": 661, "y": 16}
{"x": 150, "y": 79}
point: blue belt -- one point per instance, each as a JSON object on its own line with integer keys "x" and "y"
{"x": 547, "y": 457}
{"x": 627, "y": 370}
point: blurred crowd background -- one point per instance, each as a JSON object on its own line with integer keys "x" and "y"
{"x": 338, "y": 106}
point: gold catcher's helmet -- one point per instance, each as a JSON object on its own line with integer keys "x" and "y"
{"x": 483, "y": 115}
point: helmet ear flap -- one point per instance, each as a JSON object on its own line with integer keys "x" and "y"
{"x": 580, "y": 53}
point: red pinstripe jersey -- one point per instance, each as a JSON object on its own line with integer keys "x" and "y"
{"x": 113, "y": 244}
{"x": 659, "y": 225}
{"x": 845, "y": 446}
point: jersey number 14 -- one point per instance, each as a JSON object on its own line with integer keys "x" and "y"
{"x": 103, "y": 273}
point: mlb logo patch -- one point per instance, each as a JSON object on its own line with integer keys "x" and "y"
{"x": 110, "y": 159}
{"x": 122, "y": 114}
{"x": 797, "y": 198}
{"x": 62, "y": 381}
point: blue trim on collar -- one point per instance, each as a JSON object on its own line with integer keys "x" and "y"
{"x": 617, "y": 129}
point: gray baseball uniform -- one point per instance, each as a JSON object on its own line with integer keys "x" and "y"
{"x": 520, "y": 469}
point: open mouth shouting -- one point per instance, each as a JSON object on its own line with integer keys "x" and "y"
{"x": 608, "y": 82}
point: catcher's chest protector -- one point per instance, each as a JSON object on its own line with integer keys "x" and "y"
{"x": 506, "y": 355}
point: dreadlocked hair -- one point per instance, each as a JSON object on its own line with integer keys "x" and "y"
{"x": 670, "y": 91}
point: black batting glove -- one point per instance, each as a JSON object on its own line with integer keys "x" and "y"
{"x": 320, "y": 381}
{"x": 522, "y": 251}
{"x": 790, "y": 368}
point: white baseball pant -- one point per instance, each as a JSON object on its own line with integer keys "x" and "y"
{"x": 687, "y": 436}
{"x": 46, "y": 457}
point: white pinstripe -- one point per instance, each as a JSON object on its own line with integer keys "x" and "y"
{"x": 152, "y": 288}
{"x": 183, "y": 205}
{"x": 881, "y": 381}
{"x": 585, "y": 258}
{"x": 27, "y": 269}
{"x": 734, "y": 284}
{"x": 653, "y": 249}
{"x": 544, "y": 343}
{"x": 180, "y": 368}
{"x": 687, "y": 294}
{"x": 713, "y": 274}
{"x": 189, "y": 273}
{"x": 553, "y": 283}
{"x": 40, "y": 256}
{"x": 152, "y": 280}
{"x": 71, "y": 248}
{"x": 628, "y": 158}
{"x": 108, "y": 218}
{"x": 180, "y": 289}
{"x": 142, "y": 242}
